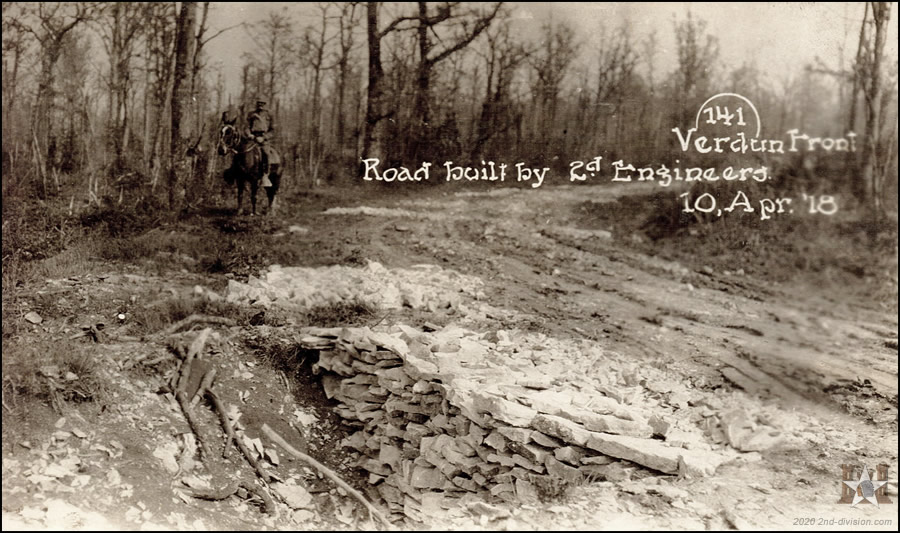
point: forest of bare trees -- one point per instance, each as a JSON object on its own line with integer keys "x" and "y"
{"x": 119, "y": 102}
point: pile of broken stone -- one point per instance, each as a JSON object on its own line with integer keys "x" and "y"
{"x": 455, "y": 414}
{"x": 423, "y": 286}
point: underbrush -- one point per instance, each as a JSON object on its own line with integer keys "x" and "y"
{"x": 348, "y": 313}
{"x": 202, "y": 245}
{"x": 36, "y": 230}
{"x": 117, "y": 221}
{"x": 53, "y": 371}
{"x": 50, "y": 238}
{"x": 155, "y": 317}
{"x": 33, "y": 230}
{"x": 51, "y": 243}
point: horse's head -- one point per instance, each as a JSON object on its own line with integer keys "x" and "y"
{"x": 229, "y": 138}
{"x": 229, "y": 134}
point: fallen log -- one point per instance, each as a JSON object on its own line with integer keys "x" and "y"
{"x": 220, "y": 408}
{"x": 195, "y": 319}
{"x": 230, "y": 490}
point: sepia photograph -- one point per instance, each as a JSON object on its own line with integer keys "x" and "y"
{"x": 369, "y": 266}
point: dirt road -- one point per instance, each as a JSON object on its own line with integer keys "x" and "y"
{"x": 790, "y": 343}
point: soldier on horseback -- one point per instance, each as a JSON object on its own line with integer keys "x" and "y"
{"x": 259, "y": 127}
{"x": 255, "y": 160}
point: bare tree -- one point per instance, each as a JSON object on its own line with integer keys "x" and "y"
{"x": 375, "y": 104}
{"x": 49, "y": 23}
{"x": 182, "y": 130}
{"x": 503, "y": 57}
{"x": 14, "y": 48}
{"x": 120, "y": 25}
{"x": 857, "y": 66}
{"x": 246, "y": 80}
{"x": 202, "y": 40}
{"x": 459, "y": 24}
{"x": 616, "y": 62}
{"x": 161, "y": 21}
{"x": 316, "y": 40}
{"x": 651, "y": 118}
{"x": 462, "y": 24}
{"x": 697, "y": 53}
{"x": 276, "y": 51}
{"x": 650, "y": 47}
{"x": 550, "y": 65}
{"x": 74, "y": 72}
{"x": 870, "y": 73}
{"x": 347, "y": 19}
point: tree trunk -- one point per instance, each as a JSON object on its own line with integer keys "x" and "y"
{"x": 316, "y": 112}
{"x": 342, "y": 88}
{"x": 147, "y": 144}
{"x": 851, "y": 162}
{"x": 421, "y": 118}
{"x": 374, "y": 99}
{"x": 245, "y": 82}
{"x": 182, "y": 133}
{"x": 881, "y": 12}
{"x": 10, "y": 88}
{"x": 43, "y": 103}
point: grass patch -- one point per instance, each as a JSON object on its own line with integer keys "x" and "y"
{"x": 75, "y": 261}
{"x": 42, "y": 239}
{"x": 53, "y": 371}
{"x": 283, "y": 353}
{"x": 117, "y": 221}
{"x": 550, "y": 489}
{"x": 208, "y": 247}
{"x": 155, "y": 317}
{"x": 353, "y": 312}
{"x": 33, "y": 231}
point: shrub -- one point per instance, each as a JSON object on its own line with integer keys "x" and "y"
{"x": 53, "y": 371}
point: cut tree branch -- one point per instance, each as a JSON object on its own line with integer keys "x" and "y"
{"x": 373, "y": 511}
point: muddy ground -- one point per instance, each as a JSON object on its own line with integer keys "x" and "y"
{"x": 813, "y": 352}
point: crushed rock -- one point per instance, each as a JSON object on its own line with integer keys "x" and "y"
{"x": 295, "y": 496}
{"x": 422, "y": 286}
{"x": 375, "y": 212}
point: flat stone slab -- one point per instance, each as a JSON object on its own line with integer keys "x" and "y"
{"x": 563, "y": 429}
{"x": 657, "y": 456}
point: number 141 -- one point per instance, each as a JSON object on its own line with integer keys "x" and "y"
{"x": 717, "y": 113}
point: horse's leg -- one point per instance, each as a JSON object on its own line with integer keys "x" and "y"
{"x": 275, "y": 178}
{"x": 270, "y": 193}
{"x": 240, "y": 195}
{"x": 254, "y": 187}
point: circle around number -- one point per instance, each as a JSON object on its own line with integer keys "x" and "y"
{"x": 744, "y": 98}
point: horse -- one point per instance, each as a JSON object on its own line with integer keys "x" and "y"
{"x": 246, "y": 165}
